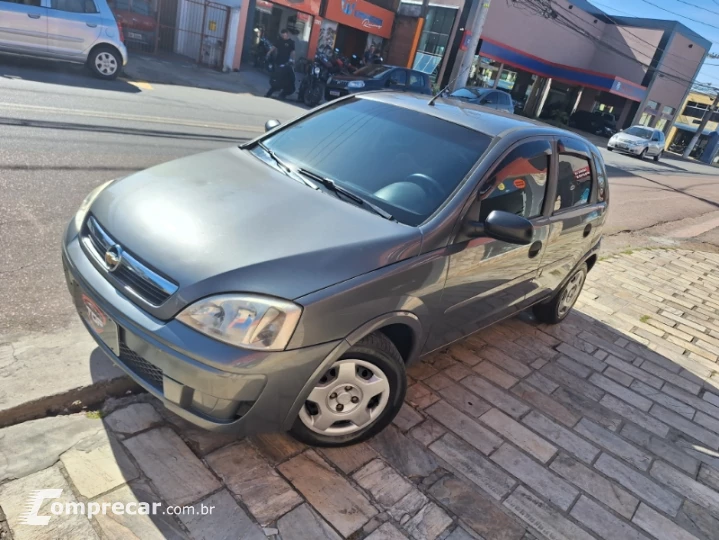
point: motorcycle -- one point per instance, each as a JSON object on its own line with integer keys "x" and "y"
{"x": 260, "y": 55}
{"x": 312, "y": 87}
{"x": 283, "y": 79}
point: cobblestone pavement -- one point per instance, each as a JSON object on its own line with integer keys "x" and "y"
{"x": 606, "y": 426}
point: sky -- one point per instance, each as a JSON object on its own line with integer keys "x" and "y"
{"x": 681, "y": 11}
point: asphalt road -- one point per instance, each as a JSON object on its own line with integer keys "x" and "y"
{"x": 63, "y": 132}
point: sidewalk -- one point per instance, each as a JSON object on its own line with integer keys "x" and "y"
{"x": 177, "y": 70}
{"x": 606, "y": 426}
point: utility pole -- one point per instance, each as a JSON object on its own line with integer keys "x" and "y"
{"x": 472, "y": 32}
{"x": 705, "y": 120}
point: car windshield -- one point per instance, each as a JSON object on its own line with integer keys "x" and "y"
{"x": 403, "y": 161}
{"x": 373, "y": 71}
{"x": 141, "y": 8}
{"x": 644, "y": 133}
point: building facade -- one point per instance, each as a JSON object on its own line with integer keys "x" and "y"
{"x": 574, "y": 57}
{"x": 687, "y": 123}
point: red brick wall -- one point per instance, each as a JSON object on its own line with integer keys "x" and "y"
{"x": 402, "y": 38}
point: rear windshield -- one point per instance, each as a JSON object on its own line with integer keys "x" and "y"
{"x": 406, "y": 162}
{"x": 644, "y": 133}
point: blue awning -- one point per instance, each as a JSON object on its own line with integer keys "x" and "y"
{"x": 692, "y": 129}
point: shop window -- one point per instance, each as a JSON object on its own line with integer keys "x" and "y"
{"x": 574, "y": 182}
{"x": 661, "y": 123}
{"x": 668, "y": 111}
{"x": 652, "y": 105}
{"x": 434, "y": 39}
{"x": 646, "y": 119}
{"x": 519, "y": 182}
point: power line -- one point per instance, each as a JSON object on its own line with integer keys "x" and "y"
{"x": 649, "y": 57}
{"x": 544, "y": 8}
{"x": 679, "y": 15}
{"x": 698, "y": 7}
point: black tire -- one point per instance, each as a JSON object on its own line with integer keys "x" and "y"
{"x": 314, "y": 94}
{"x": 658, "y": 156}
{"x": 643, "y": 154}
{"x": 610, "y": 149}
{"x": 376, "y": 349}
{"x": 96, "y": 60}
{"x": 549, "y": 312}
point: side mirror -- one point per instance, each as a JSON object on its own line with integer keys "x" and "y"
{"x": 503, "y": 226}
{"x": 271, "y": 124}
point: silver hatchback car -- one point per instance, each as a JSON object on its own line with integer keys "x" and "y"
{"x": 83, "y": 31}
{"x": 639, "y": 141}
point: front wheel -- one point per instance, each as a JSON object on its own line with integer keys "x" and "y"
{"x": 658, "y": 156}
{"x": 556, "y": 309}
{"x": 313, "y": 95}
{"x": 643, "y": 154}
{"x": 356, "y": 398}
{"x": 105, "y": 63}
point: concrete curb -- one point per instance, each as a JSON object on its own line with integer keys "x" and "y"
{"x": 71, "y": 401}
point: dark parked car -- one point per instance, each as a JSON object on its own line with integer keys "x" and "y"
{"x": 598, "y": 123}
{"x": 291, "y": 288}
{"x": 377, "y": 77}
{"x": 488, "y": 97}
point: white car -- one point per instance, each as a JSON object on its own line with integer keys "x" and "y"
{"x": 640, "y": 141}
{"x": 83, "y": 31}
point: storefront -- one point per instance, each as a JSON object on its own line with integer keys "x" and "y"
{"x": 352, "y": 26}
{"x": 297, "y": 17}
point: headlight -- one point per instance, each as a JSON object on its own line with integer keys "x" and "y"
{"x": 316, "y": 71}
{"x": 356, "y": 84}
{"x": 244, "y": 320}
{"x": 87, "y": 203}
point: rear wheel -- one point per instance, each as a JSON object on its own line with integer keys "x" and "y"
{"x": 356, "y": 398}
{"x": 556, "y": 309}
{"x": 105, "y": 63}
{"x": 610, "y": 148}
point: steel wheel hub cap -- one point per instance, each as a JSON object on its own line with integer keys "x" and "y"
{"x": 106, "y": 63}
{"x": 571, "y": 292}
{"x": 349, "y": 397}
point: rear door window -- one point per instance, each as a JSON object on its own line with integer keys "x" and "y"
{"x": 574, "y": 182}
{"x": 416, "y": 80}
{"x": 74, "y": 6}
{"x": 490, "y": 99}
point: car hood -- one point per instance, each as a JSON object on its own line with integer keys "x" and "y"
{"x": 227, "y": 221}
{"x": 623, "y": 137}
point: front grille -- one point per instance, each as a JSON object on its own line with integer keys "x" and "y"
{"x": 148, "y": 372}
{"x": 133, "y": 275}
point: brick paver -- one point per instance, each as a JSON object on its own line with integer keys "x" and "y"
{"x": 606, "y": 426}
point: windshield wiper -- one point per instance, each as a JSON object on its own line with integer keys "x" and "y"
{"x": 286, "y": 167}
{"x": 333, "y": 186}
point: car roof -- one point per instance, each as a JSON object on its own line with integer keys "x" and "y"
{"x": 488, "y": 121}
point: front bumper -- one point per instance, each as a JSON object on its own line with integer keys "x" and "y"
{"x": 634, "y": 150}
{"x": 211, "y": 384}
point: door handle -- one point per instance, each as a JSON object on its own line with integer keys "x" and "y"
{"x": 587, "y": 230}
{"x": 33, "y": 15}
{"x": 91, "y": 25}
{"x": 535, "y": 248}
